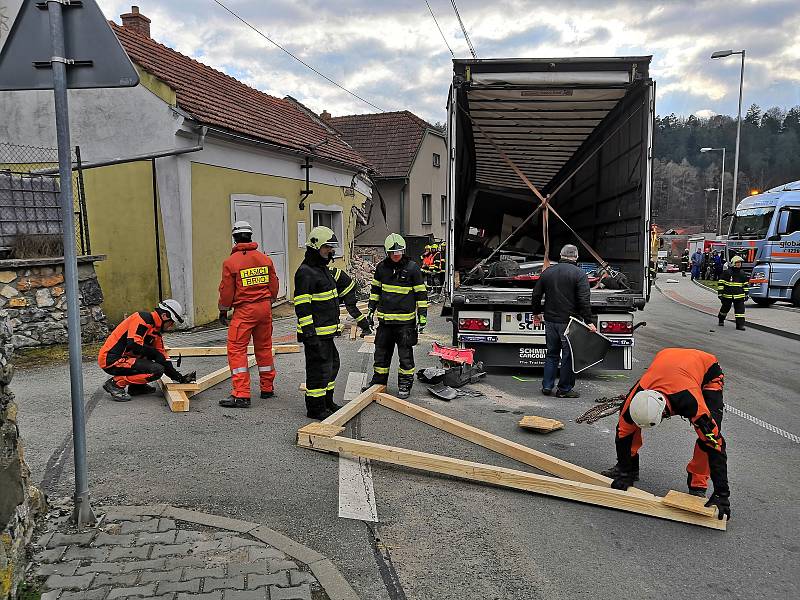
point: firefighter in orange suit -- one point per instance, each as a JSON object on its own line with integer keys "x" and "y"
{"x": 249, "y": 285}
{"x": 134, "y": 353}
{"x": 679, "y": 382}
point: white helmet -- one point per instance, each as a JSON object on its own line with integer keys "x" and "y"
{"x": 241, "y": 227}
{"x": 173, "y": 308}
{"x": 647, "y": 408}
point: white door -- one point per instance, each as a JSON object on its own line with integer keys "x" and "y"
{"x": 268, "y": 219}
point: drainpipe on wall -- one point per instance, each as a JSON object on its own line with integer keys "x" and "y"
{"x": 403, "y": 208}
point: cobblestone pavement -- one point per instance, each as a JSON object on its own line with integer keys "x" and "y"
{"x": 129, "y": 555}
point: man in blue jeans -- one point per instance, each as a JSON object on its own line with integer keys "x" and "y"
{"x": 565, "y": 288}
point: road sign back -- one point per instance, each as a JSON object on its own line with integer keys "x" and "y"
{"x": 99, "y": 60}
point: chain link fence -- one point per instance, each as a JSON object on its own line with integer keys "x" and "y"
{"x": 30, "y": 212}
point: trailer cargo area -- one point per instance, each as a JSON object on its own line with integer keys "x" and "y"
{"x": 581, "y": 131}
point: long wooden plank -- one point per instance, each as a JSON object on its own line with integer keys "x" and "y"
{"x": 189, "y": 351}
{"x": 215, "y": 377}
{"x": 355, "y": 406}
{"x": 528, "y": 456}
{"x": 510, "y": 478}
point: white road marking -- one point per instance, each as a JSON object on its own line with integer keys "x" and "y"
{"x": 764, "y": 424}
{"x": 356, "y": 492}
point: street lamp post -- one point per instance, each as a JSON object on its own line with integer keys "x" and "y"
{"x": 723, "y": 54}
{"x": 721, "y": 195}
{"x": 716, "y": 207}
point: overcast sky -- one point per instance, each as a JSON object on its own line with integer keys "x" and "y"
{"x": 391, "y": 53}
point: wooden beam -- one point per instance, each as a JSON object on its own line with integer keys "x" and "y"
{"x": 510, "y": 478}
{"x": 321, "y": 429}
{"x": 353, "y": 331}
{"x": 355, "y": 406}
{"x": 215, "y": 377}
{"x": 223, "y": 351}
{"x": 523, "y": 454}
{"x": 177, "y": 400}
{"x": 694, "y": 504}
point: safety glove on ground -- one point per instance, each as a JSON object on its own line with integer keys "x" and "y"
{"x": 723, "y": 504}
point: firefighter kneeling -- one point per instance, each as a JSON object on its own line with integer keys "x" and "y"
{"x": 134, "y": 353}
{"x": 400, "y": 300}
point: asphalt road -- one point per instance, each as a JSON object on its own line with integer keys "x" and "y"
{"x": 440, "y": 538}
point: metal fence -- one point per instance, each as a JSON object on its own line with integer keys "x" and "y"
{"x": 30, "y": 214}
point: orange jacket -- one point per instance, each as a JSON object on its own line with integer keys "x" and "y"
{"x": 137, "y": 336}
{"x": 247, "y": 276}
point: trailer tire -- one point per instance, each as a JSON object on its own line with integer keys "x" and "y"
{"x": 796, "y": 294}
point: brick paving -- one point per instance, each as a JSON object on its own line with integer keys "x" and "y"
{"x": 131, "y": 556}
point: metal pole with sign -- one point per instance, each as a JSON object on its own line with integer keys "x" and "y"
{"x": 85, "y": 53}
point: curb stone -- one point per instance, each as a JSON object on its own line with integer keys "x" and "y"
{"x": 329, "y": 577}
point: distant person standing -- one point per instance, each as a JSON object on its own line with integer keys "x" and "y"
{"x": 717, "y": 259}
{"x": 697, "y": 259}
{"x": 684, "y": 262}
{"x": 565, "y": 288}
{"x": 733, "y": 290}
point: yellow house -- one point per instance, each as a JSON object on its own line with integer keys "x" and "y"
{"x": 176, "y": 160}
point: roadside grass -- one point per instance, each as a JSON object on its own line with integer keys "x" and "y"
{"x": 48, "y": 355}
{"x": 709, "y": 283}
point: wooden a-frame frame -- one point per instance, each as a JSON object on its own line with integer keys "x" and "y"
{"x": 570, "y": 482}
{"x": 177, "y": 394}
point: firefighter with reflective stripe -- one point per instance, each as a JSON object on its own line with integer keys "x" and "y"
{"x": 249, "y": 285}
{"x": 433, "y": 264}
{"x": 399, "y": 298}
{"x": 346, "y": 291}
{"x": 733, "y": 289}
{"x": 680, "y": 382}
{"x": 134, "y": 353}
{"x": 316, "y": 303}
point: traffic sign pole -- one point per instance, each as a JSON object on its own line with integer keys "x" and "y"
{"x": 82, "y": 513}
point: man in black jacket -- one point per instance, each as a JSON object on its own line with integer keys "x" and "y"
{"x": 565, "y": 287}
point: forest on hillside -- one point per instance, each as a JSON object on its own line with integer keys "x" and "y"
{"x": 769, "y": 156}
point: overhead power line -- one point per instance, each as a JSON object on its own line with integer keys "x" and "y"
{"x": 464, "y": 30}
{"x": 297, "y": 58}
{"x": 440, "y": 29}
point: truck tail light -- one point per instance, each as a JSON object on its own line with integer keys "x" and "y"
{"x": 474, "y": 324}
{"x": 616, "y": 327}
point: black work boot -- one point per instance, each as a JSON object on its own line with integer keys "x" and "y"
{"x": 118, "y": 394}
{"x": 722, "y": 321}
{"x": 329, "y": 403}
{"x": 315, "y": 409}
{"x": 234, "y": 402}
{"x": 615, "y": 471}
{"x": 404, "y": 387}
{"x": 740, "y": 325}
{"x": 265, "y": 395}
{"x": 372, "y": 382}
{"x": 140, "y": 389}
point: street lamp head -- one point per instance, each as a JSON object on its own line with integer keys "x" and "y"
{"x": 711, "y": 190}
{"x": 722, "y": 53}
{"x": 706, "y": 149}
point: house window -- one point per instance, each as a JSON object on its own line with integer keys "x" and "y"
{"x": 437, "y": 160}
{"x": 444, "y": 210}
{"x": 330, "y": 217}
{"x": 426, "y": 209}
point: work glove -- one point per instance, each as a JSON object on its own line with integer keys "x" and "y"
{"x": 366, "y": 328}
{"x": 622, "y": 481}
{"x": 371, "y": 319}
{"x": 187, "y": 378}
{"x": 723, "y": 504}
{"x": 223, "y": 318}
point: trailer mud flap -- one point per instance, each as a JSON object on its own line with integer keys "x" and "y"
{"x": 509, "y": 355}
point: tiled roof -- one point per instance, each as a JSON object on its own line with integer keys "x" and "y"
{"x": 216, "y": 99}
{"x": 387, "y": 140}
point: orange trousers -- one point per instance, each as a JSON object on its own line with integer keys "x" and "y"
{"x": 251, "y": 320}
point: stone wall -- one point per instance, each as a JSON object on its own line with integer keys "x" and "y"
{"x": 20, "y": 502}
{"x": 32, "y": 299}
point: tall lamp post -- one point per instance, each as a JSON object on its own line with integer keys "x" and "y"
{"x": 723, "y": 54}
{"x": 716, "y": 208}
{"x": 721, "y": 195}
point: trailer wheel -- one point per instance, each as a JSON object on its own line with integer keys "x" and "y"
{"x": 796, "y": 294}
